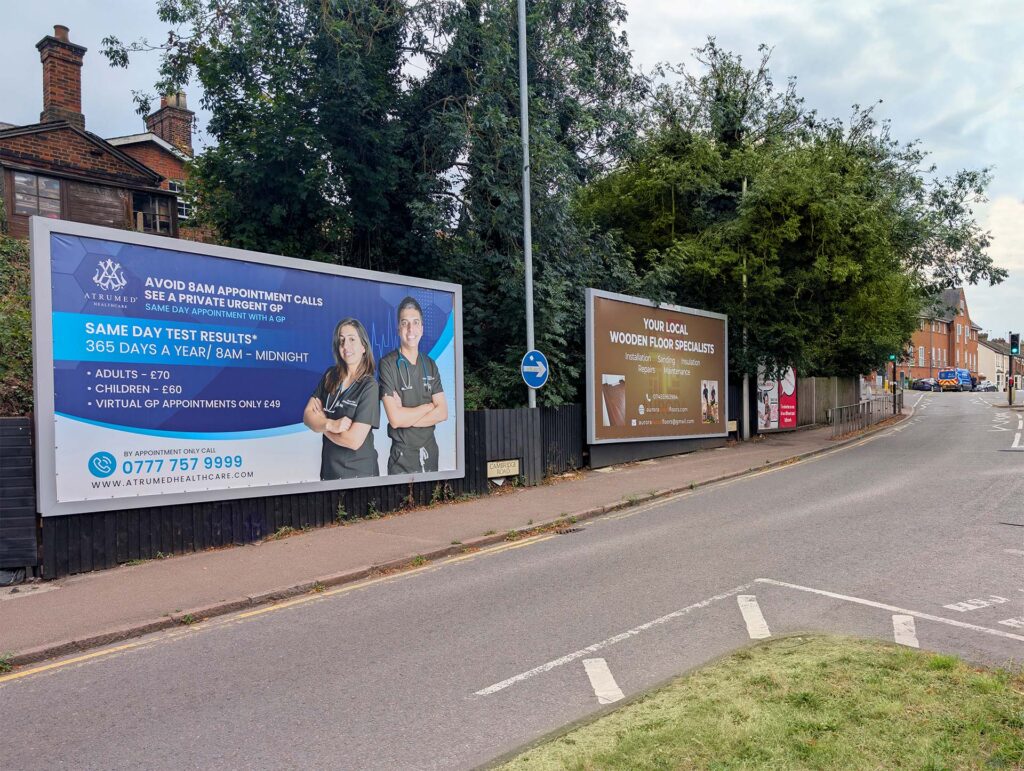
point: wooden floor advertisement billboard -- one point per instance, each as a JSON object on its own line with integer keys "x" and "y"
{"x": 654, "y": 372}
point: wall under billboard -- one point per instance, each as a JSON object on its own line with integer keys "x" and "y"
{"x": 776, "y": 401}
{"x": 654, "y": 372}
{"x": 169, "y": 372}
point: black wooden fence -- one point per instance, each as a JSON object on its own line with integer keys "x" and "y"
{"x": 547, "y": 441}
{"x": 17, "y": 495}
{"x": 563, "y": 438}
{"x": 513, "y": 434}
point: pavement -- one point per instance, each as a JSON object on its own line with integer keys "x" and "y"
{"x": 42, "y": 620}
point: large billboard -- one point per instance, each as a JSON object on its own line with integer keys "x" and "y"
{"x": 654, "y": 371}
{"x": 169, "y": 371}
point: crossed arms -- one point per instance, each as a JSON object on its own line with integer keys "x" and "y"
{"x": 415, "y": 417}
{"x": 343, "y": 432}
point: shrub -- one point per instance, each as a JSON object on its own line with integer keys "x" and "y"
{"x": 15, "y": 328}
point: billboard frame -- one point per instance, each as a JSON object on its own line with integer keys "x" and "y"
{"x": 41, "y": 229}
{"x": 590, "y": 296}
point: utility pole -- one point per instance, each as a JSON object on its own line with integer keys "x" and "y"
{"x": 745, "y": 412}
{"x": 524, "y": 130}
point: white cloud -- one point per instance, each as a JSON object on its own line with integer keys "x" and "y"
{"x": 1005, "y": 220}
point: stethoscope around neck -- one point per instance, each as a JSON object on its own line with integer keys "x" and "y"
{"x": 406, "y": 379}
{"x": 335, "y": 397}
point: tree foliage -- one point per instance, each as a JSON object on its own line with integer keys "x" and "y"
{"x": 15, "y": 328}
{"x": 385, "y": 134}
{"x": 821, "y": 239}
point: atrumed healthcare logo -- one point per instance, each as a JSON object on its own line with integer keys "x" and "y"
{"x": 109, "y": 277}
{"x": 102, "y": 464}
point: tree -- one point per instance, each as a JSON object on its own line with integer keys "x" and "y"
{"x": 330, "y": 144}
{"x": 302, "y": 96}
{"x": 827, "y": 257}
{"x": 582, "y": 95}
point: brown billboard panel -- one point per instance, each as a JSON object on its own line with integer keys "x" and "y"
{"x": 654, "y": 372}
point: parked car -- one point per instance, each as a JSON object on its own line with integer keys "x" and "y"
{"x": 986, "y": 386}
{"x": 926, "y": 384}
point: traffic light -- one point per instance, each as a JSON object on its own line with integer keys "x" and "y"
{"x": 892, "y": 357}
{"x": 1014, "y": 343}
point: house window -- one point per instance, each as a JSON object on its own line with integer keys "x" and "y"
{"x": 178, "y": 187}
{"x": 151, "y": 213}
{"x": 920, "y": 356}
{"x": 36, "y": 195}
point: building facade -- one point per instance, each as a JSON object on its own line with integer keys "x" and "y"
{"x": 57, "y": 168}
{"x": 995, "y": 356}
{"x": 946, "y": 338}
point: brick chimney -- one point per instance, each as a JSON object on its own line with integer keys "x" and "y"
{"x": 62, "y": 78}
{"x": 173, "y": 122}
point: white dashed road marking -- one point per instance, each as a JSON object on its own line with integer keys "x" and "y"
{"x": 757, "y": 628}
{"x": 904, "y": 631}
{"x": 1018, "y": 552}
{"x": 894, "y": 609}
{"x": 605, "y": 687}
{"x": 976, "y": 604}
{"x": 629, "y": 633}
{"x": 903, "y": 628}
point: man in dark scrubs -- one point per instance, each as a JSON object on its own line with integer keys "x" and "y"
{"x": 413, "y": 397}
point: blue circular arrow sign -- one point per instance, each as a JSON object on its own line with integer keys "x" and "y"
{"x": 534, "y": 369}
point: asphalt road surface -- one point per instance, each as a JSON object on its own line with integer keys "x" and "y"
{"x": 915, "y": 535}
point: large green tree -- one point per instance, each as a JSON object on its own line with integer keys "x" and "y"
{"x": 821, "y": 239}
{"x": 582, "y": 94}
{"x": 303, "y": 97}
{"x": 385, "y": 134}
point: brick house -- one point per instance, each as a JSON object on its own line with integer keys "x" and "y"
{"x": 947, "y": 338}
{"x": 56, "y": 168}
{"x": 166, "y": 148}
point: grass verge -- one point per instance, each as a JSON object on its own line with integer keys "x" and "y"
{"x": 809, "y": 702}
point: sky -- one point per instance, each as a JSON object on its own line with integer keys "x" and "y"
{"x": 948, "y": 72}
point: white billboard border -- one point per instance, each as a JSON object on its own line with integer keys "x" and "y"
{"x": 590, "y": 295}
{"x": 42, "y": 228}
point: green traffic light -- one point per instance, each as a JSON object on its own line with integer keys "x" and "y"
{"x": 892, "y": 357}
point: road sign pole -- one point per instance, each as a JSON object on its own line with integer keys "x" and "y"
{"x": 894, "y": 386}
{"x": 524, "y": 130}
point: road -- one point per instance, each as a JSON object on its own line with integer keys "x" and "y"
{"x": 915, "y": 534}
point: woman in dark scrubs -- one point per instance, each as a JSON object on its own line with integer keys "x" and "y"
{"x": 345, "y": 407}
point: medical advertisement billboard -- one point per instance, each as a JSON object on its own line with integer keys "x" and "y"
{"x": 654, "y": 371}
{"x": 169, "y": 371}
{"x": 776, "y": 401}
